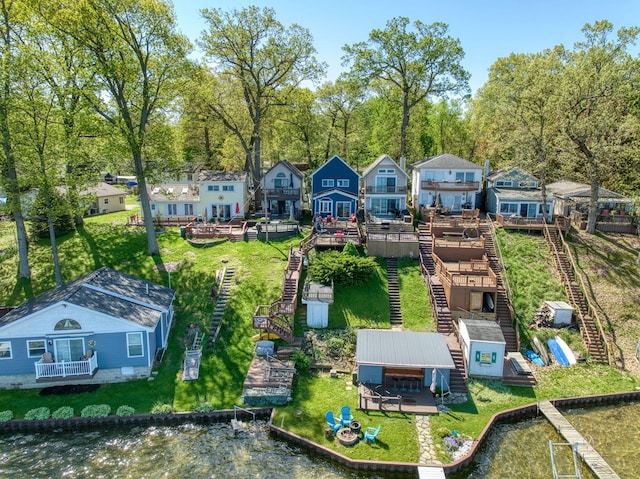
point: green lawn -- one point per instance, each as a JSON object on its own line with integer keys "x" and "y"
{"x": 106, "y": 241}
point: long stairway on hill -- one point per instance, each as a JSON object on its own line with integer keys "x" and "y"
{"x": 504, "y": 310}
{"x": 393, "y": 285}
{"x": 221, "y": 302}
{"x": 589, "y": 330}
{"x": 441, "y": 311}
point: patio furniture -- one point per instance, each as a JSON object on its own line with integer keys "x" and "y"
{"x": 345, "y": 416}
{"x": 370, "y": 433}
{"x": 47, "y": 357}
{"x": 331, "y": 421}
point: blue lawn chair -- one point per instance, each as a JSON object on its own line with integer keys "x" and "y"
{"x": 370, "y": 433}
{"x": 345, "y": 416}
{"x": 331, "y": 421}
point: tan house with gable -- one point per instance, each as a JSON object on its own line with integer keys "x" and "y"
{"x": 105, "y": 199}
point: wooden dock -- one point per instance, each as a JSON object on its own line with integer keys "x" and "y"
{"x": 588, "y": 454}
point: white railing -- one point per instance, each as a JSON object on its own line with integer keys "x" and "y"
{"x": 66, "y": 368}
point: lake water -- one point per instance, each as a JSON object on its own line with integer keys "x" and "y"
{"x": 212, "y": 451}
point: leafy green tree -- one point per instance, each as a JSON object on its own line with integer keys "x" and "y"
{"x": 140, "y": 63}
{"x": 599, "y": 87}
{"x": 519, "y": 106}
{"x": 11, "y": 25}
{"x": 341, "y": 269}
{"x": 265, "y": 62}
{"x": 414, "y": 61}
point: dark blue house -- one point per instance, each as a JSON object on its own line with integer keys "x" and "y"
{"x": 334, "y": 189}
{"x": 105, "y": 320}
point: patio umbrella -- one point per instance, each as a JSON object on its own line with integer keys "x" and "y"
{"x": 432, "y": 388}
{"x": 291, "y": 180}
{"x": 237, "y": 208}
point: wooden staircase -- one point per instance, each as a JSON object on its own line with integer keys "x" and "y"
{"x": 395, "y": 311}
{"x": 221, "y": 301}
{"x": 591, "y": 334}
{"x": 277, "y": 317}
{"x": 441, "y": 311}
{"x": 504, "y": 309}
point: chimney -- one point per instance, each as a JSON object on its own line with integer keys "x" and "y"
{"x": 486, "y": 169}
{"x": 147, "y": 285}
{"x": 403, "y": 163}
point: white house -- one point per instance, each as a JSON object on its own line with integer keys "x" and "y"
{"x": 385, "y": 187}
{"x": 483, "y": 347}
{"x": 448, "y": 182}
{"x": 167, "y": 200}
{"x": 282, "y": 189}
{"x": 224, "y": 194}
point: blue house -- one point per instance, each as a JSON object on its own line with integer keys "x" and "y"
{"x": 105, "y": 320}
{"x": 334, "y": 189}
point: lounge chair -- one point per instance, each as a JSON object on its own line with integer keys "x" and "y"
{"x": 345, "y": 416}
{"x": 331, "y": 422}
{"x": 370, "y": 433}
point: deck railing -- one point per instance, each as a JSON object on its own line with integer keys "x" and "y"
{"x": 449, "y": 185}
{"x": 67, "y": 368}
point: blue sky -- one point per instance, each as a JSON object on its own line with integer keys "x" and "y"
{"x": 486, "y": 29}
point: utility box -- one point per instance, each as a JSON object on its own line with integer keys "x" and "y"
{"x": 561, "y": 312}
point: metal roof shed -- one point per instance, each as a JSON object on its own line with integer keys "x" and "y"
{"x": 404, "y": 349}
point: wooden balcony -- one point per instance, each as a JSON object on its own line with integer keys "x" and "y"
{"x": 65, "y": 369}
{"x": 449, "y": 185}
{"x": 283, "y": 194}
{"x": 386, "y": 190}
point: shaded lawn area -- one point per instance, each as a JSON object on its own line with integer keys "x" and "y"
{"x": 316, "y": 394}
{"x": 105, "y": 241}
{"x": 363, "y": 306}
{"x": 417, "y": 314}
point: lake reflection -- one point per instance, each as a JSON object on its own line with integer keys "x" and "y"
{"x": 193, "y": 451}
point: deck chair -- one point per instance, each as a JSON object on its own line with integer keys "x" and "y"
{"x": 371, "y": 433}
{"x": 331, "y": 421}
{"x": 345, "y": 416}
{"x": 47, "y": 357}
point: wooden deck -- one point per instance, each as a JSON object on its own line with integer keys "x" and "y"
{"x": 371, "y": 398}
{"x": 588, "y": 454}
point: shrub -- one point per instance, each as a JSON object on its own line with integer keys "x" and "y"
{"x": 38, "y": 413}
{"x": 123, "y": 411}
{"x": 161, "y": 407}
{"x": 6, "y": 416}
{"x": 301, "y": 360}
{"x": 340, "y": 268}
{"x": 204, "y": 406}
{"x": 64, "y": 412}
{"x": 350, "y": 250}
{"x": 96, "y": 410}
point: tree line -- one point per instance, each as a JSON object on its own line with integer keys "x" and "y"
{"x": 89, "y": 86}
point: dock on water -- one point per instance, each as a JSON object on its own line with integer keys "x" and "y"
{"x": 588, "y": 454}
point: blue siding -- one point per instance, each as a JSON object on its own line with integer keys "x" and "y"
{"x": 370, "y": 374}
{"x": 335, "y": 169}
{"x": 491, "y": 202}
{"x": 111, "y": 349}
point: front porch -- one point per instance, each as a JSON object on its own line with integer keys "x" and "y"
{"x": 59, "y": 371}
{"x": 411, "y": 398}
{"x": 100, "y": 376}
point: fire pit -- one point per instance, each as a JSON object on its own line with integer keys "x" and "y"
{"x": 347, "y": 437}
{"x": 355, "y": 427}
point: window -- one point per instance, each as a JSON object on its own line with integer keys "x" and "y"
{"x": 280, "y": 181}
{"x": 459, "y": 176}
{"x": 228, "y": 188}
{"x": 153, "y": 206}
{"x": 36, "y": 348}
{"x": 172, "y": 209}
{"x": 326, "y": 206}
{"x": 134, "y": 345}
{"x": 209, "y": 187}
{"x": 342, "y": 183}
{"x": 121, "y": 200}
{"x": 66, "y": 325}
{"x": 216, "y": 187}
{"x": 385, "y": 171}
{"x": 503, "y": 183}
{"x": 189, "y": 177}
{"x": 106, "y": 201}
{"x": 470, "y": 176}
{"x": 509, "y": 208}
{"x": 5, "y": 350}
{"x": 327, "y": 183}
{"x": 188, "y": 209}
